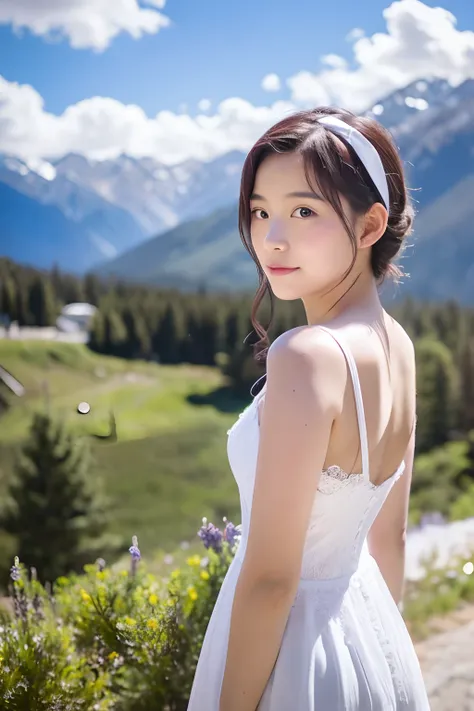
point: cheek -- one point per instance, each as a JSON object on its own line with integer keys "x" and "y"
{"x": 257, "y": 239}
{"x": 325, "y": 251}
{"x": 328, "y": 240}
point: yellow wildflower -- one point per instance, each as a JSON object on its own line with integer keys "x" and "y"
{"x": 113, "y": 655}
{"x": 205, "y": 575}
{"x": 152, "y": 624}
{"x": 85, "y": 595}
{"x": 124, "y": 573}
{"x": 192, "y": 593}
{"x": 153, "y": 599}
{"x": 194, "y": 560}
{"x": 130, "y": 621}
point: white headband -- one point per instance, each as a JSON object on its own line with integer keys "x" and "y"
{"x": 365, "y": 150}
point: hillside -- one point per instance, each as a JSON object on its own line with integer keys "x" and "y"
{"x": 42, "y": 234}
{"x": 168, "y": 467}
{"x": 203, "y": 251}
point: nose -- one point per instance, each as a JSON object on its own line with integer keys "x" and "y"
{"x": 275, "y": 238}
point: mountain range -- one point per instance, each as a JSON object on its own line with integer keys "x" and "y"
{"x": 78, "y": 213}
{"x": 177, "y": 225}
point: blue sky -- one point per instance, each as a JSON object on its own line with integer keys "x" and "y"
{"x": 214, "y": 49}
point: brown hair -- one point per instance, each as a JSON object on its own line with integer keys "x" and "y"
{"x": 337, "y": 170}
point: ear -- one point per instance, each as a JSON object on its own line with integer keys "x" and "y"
{"x": 372, "y": 225}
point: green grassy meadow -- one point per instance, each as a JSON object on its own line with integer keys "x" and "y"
{"x": 168, "y": 467}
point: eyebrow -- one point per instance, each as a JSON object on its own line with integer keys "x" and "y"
{"x": 305, "y": 194}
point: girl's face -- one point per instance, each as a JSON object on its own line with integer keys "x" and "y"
{"x": 300, "y": 241}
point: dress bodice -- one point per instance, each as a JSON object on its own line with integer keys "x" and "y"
{"x": 344, "y": 507}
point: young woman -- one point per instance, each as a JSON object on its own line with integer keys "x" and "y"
{"x": 308, "y": 616}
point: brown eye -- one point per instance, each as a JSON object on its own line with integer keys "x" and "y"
{"x": 305, "y": 212}
{"x": 259, "y": 214}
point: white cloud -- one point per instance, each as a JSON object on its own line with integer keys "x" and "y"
{"x": 334, "y": 61}
{"x": 308, "y": 90}
{"x": 102, "y": 128}
{"x": 271, "y": 82}
{"x": 204, "y": 105}
{"x": 85, "y": 23}
{"x": 355, "y": 34}
{"x": 420, "y": 42}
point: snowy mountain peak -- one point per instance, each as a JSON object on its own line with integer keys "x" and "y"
{"x": 40, "y": 167}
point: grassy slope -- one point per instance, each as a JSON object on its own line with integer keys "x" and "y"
{"x": 169, "y": 466}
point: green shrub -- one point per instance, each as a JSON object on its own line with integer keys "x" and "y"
{"x": 112, "y": 640}
{"x": 463, "y": 506}
{"x": 40, "y": 667}
{"x": 438, "y": 479}
{"x": 438, "y": 592}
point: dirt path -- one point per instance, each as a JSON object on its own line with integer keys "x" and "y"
{"x": 447, "y": 661}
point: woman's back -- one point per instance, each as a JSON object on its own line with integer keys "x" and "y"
{"x": 348, "y": 498}
{"x": 385, "y": 362}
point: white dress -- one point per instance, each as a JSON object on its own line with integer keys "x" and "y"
{"x": 345, "y": 645}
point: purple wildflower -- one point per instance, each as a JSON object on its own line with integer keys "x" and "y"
{"x": 15, "y": 572}
{"x": 211, "y": 536}
{"x": 134, "y": 549}
{"x": 100, "y": 562}
{"x": 432, "y": 518}
{"x": 135, "y": 553}
{"x": 231, "y": 533}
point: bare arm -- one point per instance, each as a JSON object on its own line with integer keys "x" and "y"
{"x": 296, "y": 423}
{"x": 387, "y": 535}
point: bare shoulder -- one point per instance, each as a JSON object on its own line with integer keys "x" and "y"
{"x": 305, "y": 344}
{"x": 403, "y": 343}
{"x": 309, "y": 359}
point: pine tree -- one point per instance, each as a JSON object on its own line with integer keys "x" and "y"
{"x": 467, "y": 386}
{"x": 41, "y": 303}
{"x": 437, "y": 389}
{"x": 92, "y": 289}
{"x": 167, "y": 342}
{"x": 138, "y": 343}
{"x": 209, "y": 337}
{"x": 97, "y": 333}
{"x": 9, "y": 303}
{"x": 23, "y": 314}
{"x": 115, "y": 333}
{"x": 57, "y": 515}
{"x": 231, "y": 332}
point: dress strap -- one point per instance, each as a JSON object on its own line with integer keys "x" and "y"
{"x": 252, "y": 389}
{"x": 364, "y": 442}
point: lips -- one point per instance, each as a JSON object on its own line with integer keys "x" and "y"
{"x": 281, "y": 271}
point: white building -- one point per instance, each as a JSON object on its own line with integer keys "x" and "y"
{"x": 76, "y": 318}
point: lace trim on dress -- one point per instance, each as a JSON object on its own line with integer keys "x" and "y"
{"x": 334, "y": 478}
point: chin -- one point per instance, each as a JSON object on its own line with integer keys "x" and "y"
{"x": 285, "y": 293}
